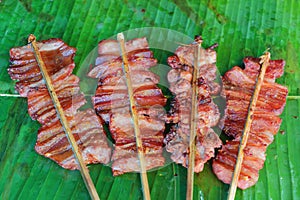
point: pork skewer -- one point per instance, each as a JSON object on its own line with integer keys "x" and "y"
{"x": 134, "y": 115}
{"x": 265, "y": 62}
{"x": 180, "y": 78}
{"x": 60, "y": 113}
{"x": 111, "y": 103}
{"x": 52, "y": 141}
{"x": 238, "y": 88}
{"x": 194, "y": 120}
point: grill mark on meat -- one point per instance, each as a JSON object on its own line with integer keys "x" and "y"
{"x": 54, "y": 144}
{"x": 47, "y": 114}
{"x": 133, "y": 55}
{"x": 238, "y": 89}
{"x": 180, "y": 77}
{"x": 102, "y": 70}
{"x": 111, "y": 103}
{"x": 24, "y": 67}
{"x": 85, "y": 125}
{"x": 147, "y": 95}
{"x": 23, "y": 87}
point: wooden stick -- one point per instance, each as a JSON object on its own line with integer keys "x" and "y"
{"x": 193, "y": 124}
{"x": 134, "y": 114}
{"x": 293, "y": 97}
{"x": 60, "y": 113}
{"x": 265, "y": 62}
{"x": 10, "y": 95}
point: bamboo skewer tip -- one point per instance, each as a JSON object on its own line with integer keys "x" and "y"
{"x": 31, "y": 38}
{"x": 265, "y": 57}
{"x": 120, "y": 36}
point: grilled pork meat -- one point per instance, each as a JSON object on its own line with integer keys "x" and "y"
{"x": 85, "y": 125}
{"x": 238, "y": 88}
{"x": 111, "y": 103}
{"x": 58, "y": 58}
{"x": 180, "y": 77}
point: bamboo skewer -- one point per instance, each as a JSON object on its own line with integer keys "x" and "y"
{"x": 193, "y": 125}
{"x": 10, "y": 95}
{"x": 293, "y": 97}
{"x": 264, "y": 62}
{"x": 60, "y": 113}
{"x": 134, "y": 114}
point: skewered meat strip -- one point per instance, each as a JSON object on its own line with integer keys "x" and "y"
{"x": 85, "y": 125}
{"x": 111, "y": 103}
{"x": 180, "y": 77}
{"x": 238, "y": 88}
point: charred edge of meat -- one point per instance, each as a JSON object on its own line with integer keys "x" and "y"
{"x": 212, "y": 47}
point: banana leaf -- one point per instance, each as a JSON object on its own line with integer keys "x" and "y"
{"x": 241, "y": 28}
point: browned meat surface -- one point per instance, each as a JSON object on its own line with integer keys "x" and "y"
{"x": 238, "y": 88}
{"x": 180, "y": 77}
{"x": 41, "y": 108}
{"x": 87, "y": 131}
{"x": 185, "y": 57}
{"x": 125, "y": 155}
{"x": 111, "y": 103}
{"x": 24, "y": 68}
{"x": 85, "y": 125}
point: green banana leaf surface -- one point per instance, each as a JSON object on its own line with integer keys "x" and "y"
{"x": 241, "y": 28}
